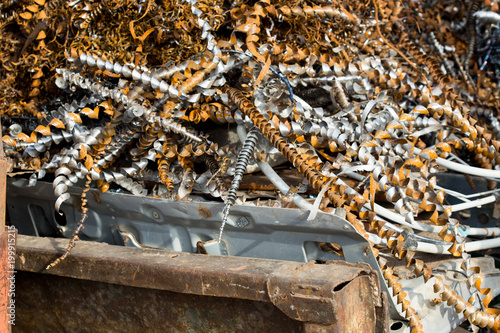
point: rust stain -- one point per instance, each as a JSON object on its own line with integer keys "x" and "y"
{"x": 137, "y": 270}
{"x": 305, "y": 266}
{"x": 297, "y": 311}
{"x": 76, "y": 202}
{"x": 189, "y": 313}
{"x": 238, "y": 268}
{"x": 200, "y": 248}
{"x": 204, "y": 212}
{"x": 96, "y": 197}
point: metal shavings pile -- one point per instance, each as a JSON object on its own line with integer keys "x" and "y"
{"x": 365, "y": 101}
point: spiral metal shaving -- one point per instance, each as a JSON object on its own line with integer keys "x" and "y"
{"x": 145, "y": 142}
{"x": 244, "y": 157}
{"x": 79, "y": 226}
{"x": 163, "y": 169}
{"x": 212, "y": 164}
{"x": 471, "y": 33}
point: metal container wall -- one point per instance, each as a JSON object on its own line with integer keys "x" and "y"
{"x": 133, "y": 290}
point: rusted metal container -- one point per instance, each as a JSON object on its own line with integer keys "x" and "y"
{"x": 104, "y": 288}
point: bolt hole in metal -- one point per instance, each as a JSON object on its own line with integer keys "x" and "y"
{"x": 396, "y": 326}
{"x": 483, "y": 219}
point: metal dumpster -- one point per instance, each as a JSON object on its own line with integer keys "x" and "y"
{"x": 274, "y": 270}
{"x": 106, "y": 288}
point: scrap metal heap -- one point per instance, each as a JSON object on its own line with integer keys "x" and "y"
{"x": 366, "y": 101}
